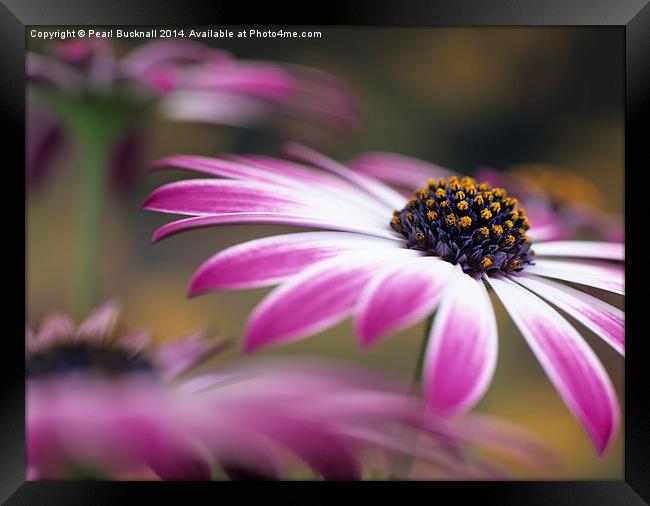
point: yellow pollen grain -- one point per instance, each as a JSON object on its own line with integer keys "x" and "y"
{"x": 466, "y": 181}
{"x": 484, "y": 231}
{"x": 522, "y": 212}
{"x": 453, "y": 179}
{"x": 454, "y": 185}
{"x": 470, "y": 189}
{"x": 486, "y": 214}
{"x": 508, "y": 224}
{"x": 509, "y": 239}
{"x": 484, "y": 187}
{"x": 462, "y": 205}
{"x": 479, "y": 200}
{"x": 495, "y": 207}
{"x": 465, "y": 221}
{"x": 460, "y": 195}
{"x": 419, "y": 236}
{"x": 497, "y": 229}
{"x": 432, "y": 215}
{"x": 409, "y": 216}
{"x": 443, "y": 203}
{"x": 442, "y": 182}
{"x": 430, "y": 202}
{"x": 486, "y": 262}
{"x": 440, "y": 193}
{"x": 488, "y": 196}
{"x": 412, "y": 202}
{"x": 451, "y": 219}
{"x": 431, "y": 182}
{"x": 514, "y": 215}
{"x": 514, "y": 264}
{"x": 423, "y": 193}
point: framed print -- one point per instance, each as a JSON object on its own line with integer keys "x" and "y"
{"x": 391, "y": 245}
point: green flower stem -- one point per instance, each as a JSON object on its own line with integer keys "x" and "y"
{"x": 402, "y": 465}
{"x": 94, "y": 146}
{"x": 419, "y": 366}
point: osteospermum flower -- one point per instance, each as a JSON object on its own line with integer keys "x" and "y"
{"x": 389, "y": 261}
{"x": 118, "y": 407}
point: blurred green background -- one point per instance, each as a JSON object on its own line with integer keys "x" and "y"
{"x": 458, "y": 97}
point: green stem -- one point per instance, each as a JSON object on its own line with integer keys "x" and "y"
{"x": 402, "y": 466}
{"x": 419, "y": 365}
{"x": 93, "y": 144}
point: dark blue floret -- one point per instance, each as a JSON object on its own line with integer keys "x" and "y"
{"x": 478, "y": 227}
{"x": 87, "y": 357}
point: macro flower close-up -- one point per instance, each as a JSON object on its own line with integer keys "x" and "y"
{"x": 389, "y": 262}
{"x": 324, "y": 253}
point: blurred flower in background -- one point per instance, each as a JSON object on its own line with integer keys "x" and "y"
{"x": 189, "y": 80}
{"x": 391, "y": 268}
{"x": 568, "y": 202}
{"x": 100, "y": 406}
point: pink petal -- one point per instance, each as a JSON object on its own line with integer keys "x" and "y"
{"x": 570, "y": 364}
{"x": 30, "y": 341}
{"x": 398, "y": 296}
{"x": 395, "y": 169}
{"x": 176, "y": 227}
{"x": 584, "y": 249}
{"x": 220, "y": 168}
{"x": 315, "y": 299}
{"x": 603, "y": 319}
{"x": 146, "y": 56}
{"x": 213, "y": 196}
{"x": 179, "y": 356}
{"x": 374, "y": 187}
{"x": 270, "y": 260}
{"x": 605, "y": 277}
{"x": 56, "y": 327}
{"x": 101, "y": 322}
{"x": 136, "y": 341}
{"x": 462, "y": 352}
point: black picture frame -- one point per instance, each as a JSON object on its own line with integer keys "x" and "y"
{"x": 633, "y": 19}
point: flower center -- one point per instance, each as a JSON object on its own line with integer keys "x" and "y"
{"x": 478, "y": 227}
{"x": 86, "y": 357}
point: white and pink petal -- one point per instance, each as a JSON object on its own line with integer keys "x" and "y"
{"x": 401, "y": 294}
{"x": 598, "y": 316}
{"x": 270, "y": 260}
{"x": 570, "y": 364}
{"x": 461, "y": 355}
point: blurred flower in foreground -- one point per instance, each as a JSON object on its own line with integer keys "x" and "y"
{"x": 389, "y": 262}
{"x": 82, "y": 78}
{"x": 101, "y": 407}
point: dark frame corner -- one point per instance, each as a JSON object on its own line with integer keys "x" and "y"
{"x": 632, "y": 16}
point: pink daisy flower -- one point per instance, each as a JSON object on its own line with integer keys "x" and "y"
{"x": 389, "y": 262}
{"x": 121, "y": 407}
